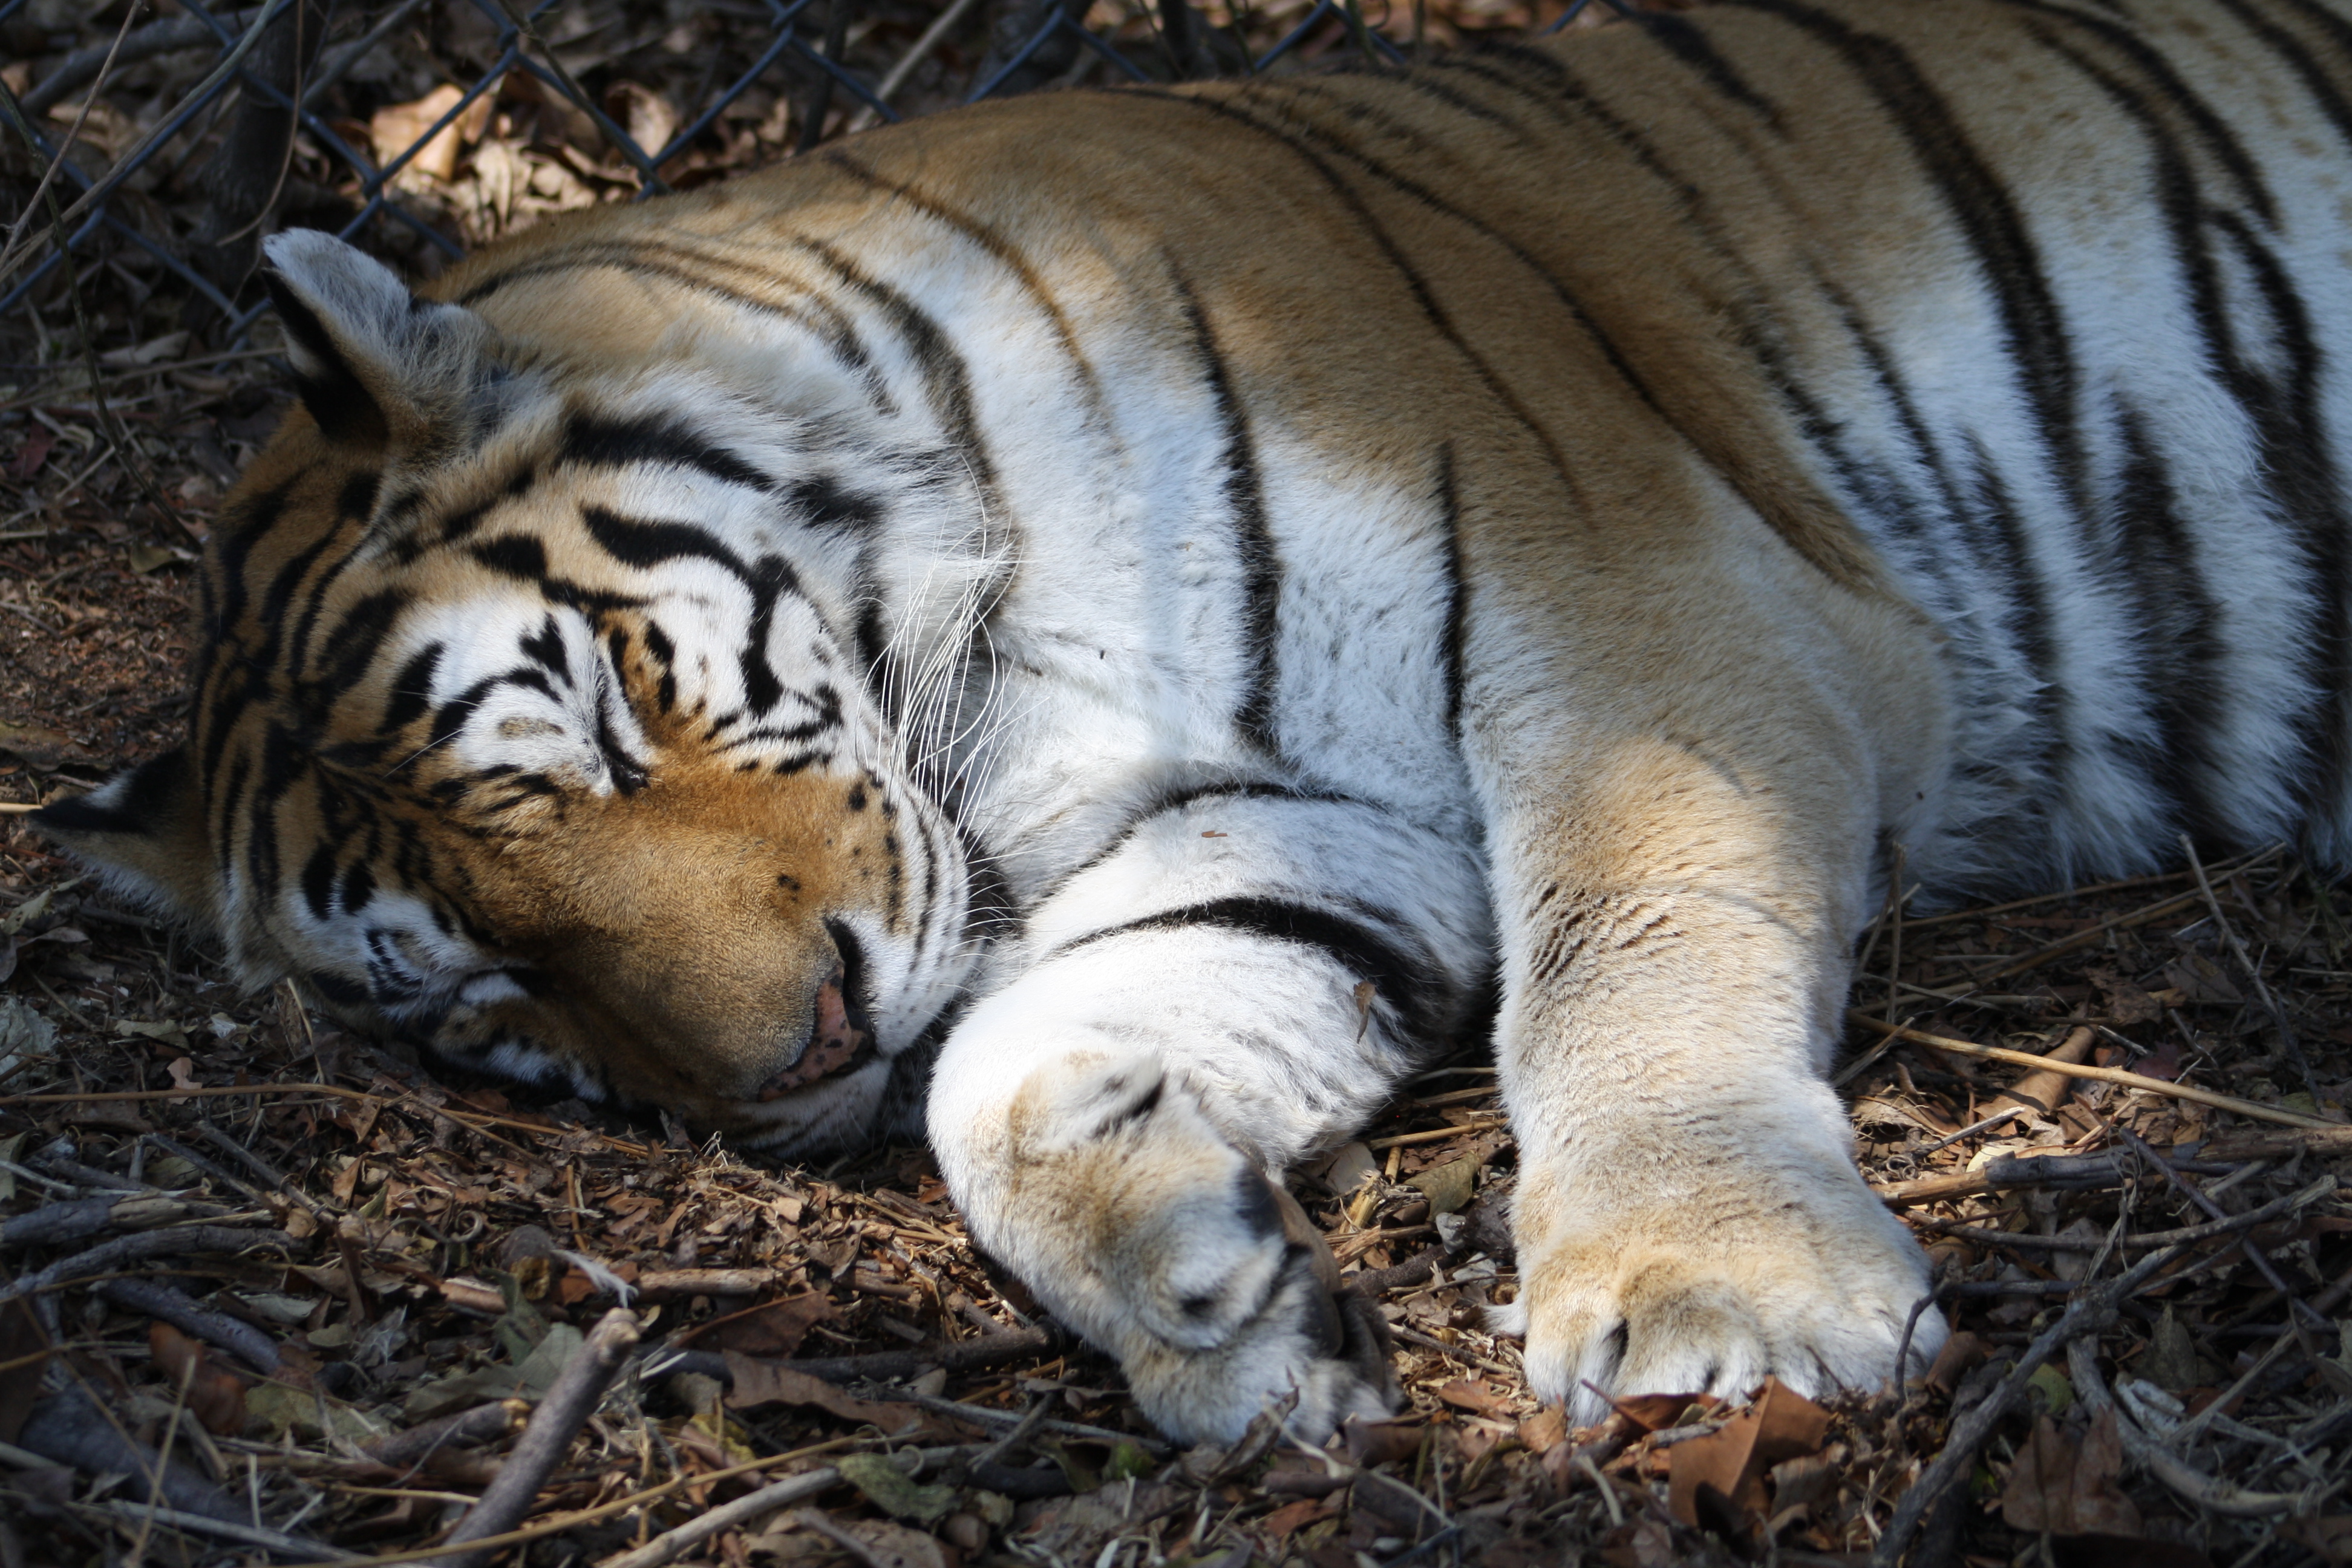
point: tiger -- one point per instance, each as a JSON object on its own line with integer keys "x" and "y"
{"x": 1110, "y": 627}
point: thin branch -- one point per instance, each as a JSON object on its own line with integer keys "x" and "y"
{"x": 566, "y": 1408}
{"x": 2292, "y": 1046}
{"x": 2253, "y": 1108}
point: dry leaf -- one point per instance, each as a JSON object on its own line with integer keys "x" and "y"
{"x": 773, "y": 1329}
{"x": 398, "y": 127}
{"x": 1731, "y": 1463}
{"x": 216, "y": 1395}
{"x": 758, "y": 1383}
{"x": 876, "y": 1543}
{"x": 1475, "y": 1397}
{"x": 1448, "y": 1187}
{"x": 2068, "y": 1487}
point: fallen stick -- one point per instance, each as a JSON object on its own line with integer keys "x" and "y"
{"x": 565, "y": 1409}
{"x": 2086, "y": 1313}
{"x": 68, "y": 1428}
{"x": 674, "y": 1544}
{"x": 2201, "y": 1489}
{"x": 1412, "y": 1271}
{"x": 2082, "y": 939}
{"x": 2253, "y": 1108}
{"x": 180, "y": 1309}
{"x": 2182, "y": 1236}
{"x": 131, "y": 1513}
{"x": 137, "y": 1248}
{"x": 956, "y": 1355}
{"x": 980, "y": 1416}
{"x": 2287, "y": 1041}
{"x": 53, "y": 1224}
{"x": 475, "y": 1119}
{"x": 482, "y": 1423}
{"x": 2045, "y": 1089}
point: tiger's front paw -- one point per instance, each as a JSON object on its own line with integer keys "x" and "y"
{"x": 1139, "y": 1226}
{"x": 1708, "y": 1281}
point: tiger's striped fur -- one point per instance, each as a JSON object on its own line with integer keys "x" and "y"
{"x": 1106, "y": 615}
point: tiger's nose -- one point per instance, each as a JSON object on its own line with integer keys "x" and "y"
{"x": 835, "y": 1042}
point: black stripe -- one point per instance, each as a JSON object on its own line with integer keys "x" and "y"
{"x": 1417, "y": 285}
{"x": 2296, "y": 455}
{"x": 1683, "y": 38}
{"x": 947, "y": 380}
{"x": 2180, "y": 653}
{"x": 1993, "y": 511}
{"x": 1458, "y": 592}
{"x": 600, "y": 440}
{"x": 1004, "y": 250}
{"x": 645, "y": 545}
{"x": 412, "y": 689}
{"x": 1262, "y": 570}
{"x": 1174, "y": 800}
{"x": 2160, "y": 81}
{"x": 2297, "y": 57}
{"x": 1981, "y": 206}
{"x": 694, "y": 272}
{"x": 148, "y": 795}
{"x": 1408, "y": 985}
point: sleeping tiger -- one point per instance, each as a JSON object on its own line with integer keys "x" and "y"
{"x": 1101, "y": 624}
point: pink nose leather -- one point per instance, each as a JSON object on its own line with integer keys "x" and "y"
{"x": 834, "y": 1044}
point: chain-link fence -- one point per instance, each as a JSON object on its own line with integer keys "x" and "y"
{"x": 301, "y": 111}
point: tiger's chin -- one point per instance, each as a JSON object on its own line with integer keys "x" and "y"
{"x": 839, "y": 1101}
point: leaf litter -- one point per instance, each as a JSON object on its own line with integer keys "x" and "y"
{"x": 268, "y": 1293}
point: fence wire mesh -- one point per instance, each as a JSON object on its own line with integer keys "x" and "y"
{"x": 420, "y": 127}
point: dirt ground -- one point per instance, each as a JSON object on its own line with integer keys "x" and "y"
{"x": 268, "y": 1293}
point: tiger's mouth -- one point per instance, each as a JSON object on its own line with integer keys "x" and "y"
{"x": 841, "y": 1039}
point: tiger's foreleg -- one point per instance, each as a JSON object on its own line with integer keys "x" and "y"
{"x": 1238, "y": 984}
{"x": 1684, "y": 852}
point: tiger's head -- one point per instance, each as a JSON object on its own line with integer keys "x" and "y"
{"x": 538, "y": 720}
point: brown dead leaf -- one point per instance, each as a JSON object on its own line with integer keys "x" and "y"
{"x": 2070, "y": 1489}
{"x": 758, "y": 1383}
{"x": 1961, "y": 1353}
{"x": 877, "y": 1542}
{"x": 2202, "y": 980}
{"x": 1292, "y": 1516}
{"x": 215, "y": 1394}
{"x": 2126, "y": 1003}
{"x": 398, "y": 127}
{"x": 1730, "y": 1462}
{"x": 41, "y": 746}
{"x": 771, "y": 1329}
{"x": 1475, "y": 1397}
{"x": 1540, "y": 1431}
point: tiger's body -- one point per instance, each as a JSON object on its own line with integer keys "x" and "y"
{"x": 1109, "y": 615}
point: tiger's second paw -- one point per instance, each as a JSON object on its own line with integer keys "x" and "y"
{"x": 1710, "y": 1290}
{"x": 1136, "y": 1223}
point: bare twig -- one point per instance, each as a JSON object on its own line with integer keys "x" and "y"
{"x": 2230, "y": 1225}
{"x": 962, "y": 1355}
{"x": 225, "y": 1529}
{"x": 2087, "y": 1313}
{"x": 2199, "y": 1489}
{"x": 920, "y": 51}
{"x": 139, "y": 1248}
{"x": 482, "y": 1423}
{"x": 180, "y": 1309}
{"x": 2251, "y": 1107}
{"x": 568, "y": 1402}
{"x": 2287, "y": 1041}
{"x": 675, "y": 1543}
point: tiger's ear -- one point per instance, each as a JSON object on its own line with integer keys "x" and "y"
{"x": 143, "y": 831}
{"x": 376, "y": 365}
